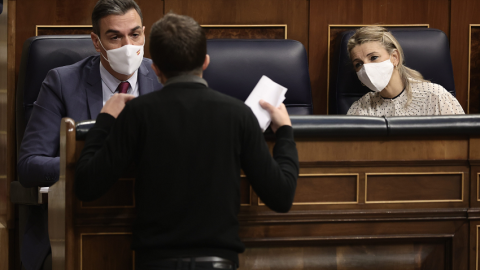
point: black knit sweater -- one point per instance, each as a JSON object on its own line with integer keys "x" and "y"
{"x": 189, "y": 144}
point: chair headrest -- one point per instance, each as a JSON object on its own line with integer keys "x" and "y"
{"x": 238, "y": 64}
{"x": 425, "y": 49}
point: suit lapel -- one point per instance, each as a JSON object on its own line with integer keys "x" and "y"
{"x": 94, "y": 89}
{"x": 145, "y": 84}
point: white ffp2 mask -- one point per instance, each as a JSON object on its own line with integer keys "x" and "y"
{"x": 126, "y": 59}
{"x": 376, "y": 76}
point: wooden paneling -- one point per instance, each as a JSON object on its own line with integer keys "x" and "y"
{"x": 323, "y": 13}
{"x": 474, "y": 71}
{"x": 382, "y": 149}
{"x": 3, "y": 154}
{"x": 294, "y": 13}
{"x": 245, "y": 192}
{"x": 106, "y": 251}
{"x": 246, "y": 32}
{"x": 421, "y": 254}
{"x": 326, "y": 189}
{"x": 474, "y": 245}
{"x": 64, "y": 30}
{"x": 463, "y": 13}
{"x": 3, "y": 111}
{"x": 4, "y": 248}
{"x": 427, "y": 187}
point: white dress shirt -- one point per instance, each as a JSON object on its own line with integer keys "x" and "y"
{"x": 110, "y": 84}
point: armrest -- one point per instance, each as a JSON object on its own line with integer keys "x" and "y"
{"x": 434, "y": 125}
{"x": 316, "y": 126}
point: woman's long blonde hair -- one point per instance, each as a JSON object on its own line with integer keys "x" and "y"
{"x": 390, "y": 43}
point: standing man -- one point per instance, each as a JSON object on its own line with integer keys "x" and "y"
{"x": 189, "y": 143}
{"x": 79, "y": 91}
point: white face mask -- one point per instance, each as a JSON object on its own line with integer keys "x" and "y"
{"x": 376, "y": 76}
{"x": 126, "y": 59}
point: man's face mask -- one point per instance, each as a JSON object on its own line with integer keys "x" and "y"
{"x": 376, "y": 76}
{"x": 126, "y": 59}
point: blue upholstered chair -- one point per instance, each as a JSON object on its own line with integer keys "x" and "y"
{"x": 237, "y": 65}
{"x": 426, "y": 50}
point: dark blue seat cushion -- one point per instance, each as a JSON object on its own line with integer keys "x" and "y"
{"x": 238, "y": 64}
{"x": 426, "y": 50}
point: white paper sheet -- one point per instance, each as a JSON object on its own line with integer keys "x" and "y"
{"x": 269, "y": 91}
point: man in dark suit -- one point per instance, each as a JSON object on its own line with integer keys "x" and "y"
{"x": 79, "y": 91}
{"x": 189, "y": 143}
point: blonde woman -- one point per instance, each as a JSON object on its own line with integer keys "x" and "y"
{"x": 397, "y": 90}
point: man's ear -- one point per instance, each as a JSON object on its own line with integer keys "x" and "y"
{"x": 96, "y": 42}
{"x": 206, "y": 62}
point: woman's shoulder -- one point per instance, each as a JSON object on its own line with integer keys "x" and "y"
{"x": 428, "y": 88}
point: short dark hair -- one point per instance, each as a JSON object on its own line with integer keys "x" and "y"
{"x": 104, "y": 8}
{"x": 178, "y": 45}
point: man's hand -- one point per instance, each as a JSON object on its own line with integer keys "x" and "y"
{"x": 116, "y": 103}
{"x": 279, "y": 115}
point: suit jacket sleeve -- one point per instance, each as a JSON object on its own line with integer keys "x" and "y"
{"x": 39, "y": 162}
{"x": 273, "y": 179}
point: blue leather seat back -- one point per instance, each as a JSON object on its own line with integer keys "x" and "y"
{"x": 40, "y": 55}
{"x": 426, "y": 50}
{"x": 238, "y": 64}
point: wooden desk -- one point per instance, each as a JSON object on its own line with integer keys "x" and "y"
{"x": 372, "y": 203}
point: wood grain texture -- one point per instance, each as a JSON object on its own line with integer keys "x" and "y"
{"x": 475, "y": 187}
{"x": 463, "y": 13}
{"x": 4, "y": 248}
{"x": 474, "y": 251}
{"x": 383, "y": 149}
{"x": 245, "y": 192}
{"x": 106, "y": 251}
{"x": 323, "y": 13}
{"x": 11, "y": 161}
{"x": 64, "y": 30}
{"x": 426, "y": 254}
{"x": 60, "y": 202}
{"x": 245, "y": 32}
{"x": 413, "y": 187}
{"x": 474, "y": 48}
{"x": 326, "y": 189}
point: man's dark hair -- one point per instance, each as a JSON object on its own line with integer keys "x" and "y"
{"x": 178, "y": 45}
{"x": 104, "y": 8}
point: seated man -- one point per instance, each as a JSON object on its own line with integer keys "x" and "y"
{"x": 189, "y": 143}
{"x": 79, "y": 91}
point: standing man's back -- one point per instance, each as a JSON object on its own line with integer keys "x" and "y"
{"x": 189, "y": 143}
